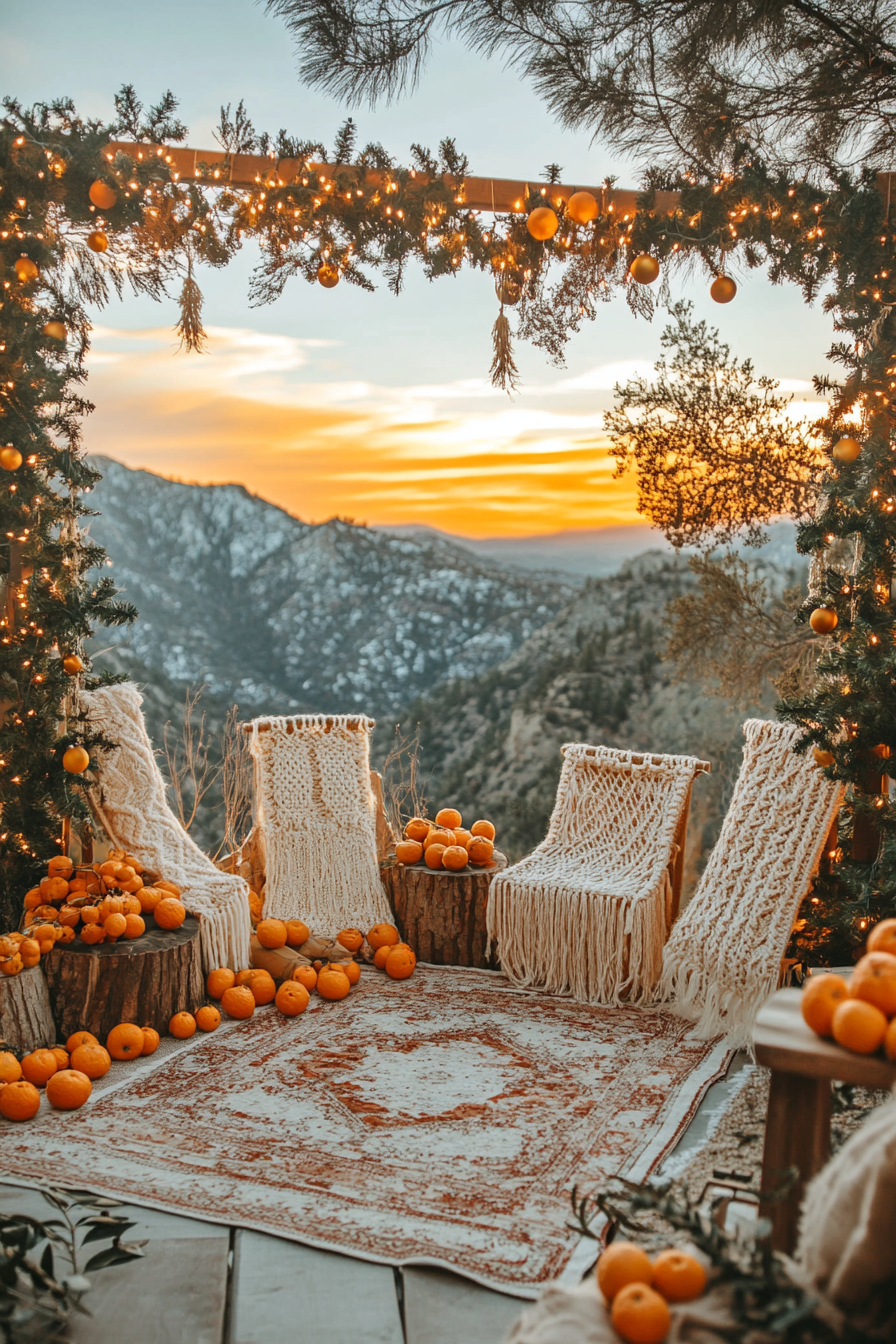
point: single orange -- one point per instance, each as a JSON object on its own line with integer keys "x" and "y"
{"x": 62, "y": 1059}
{"x": 10, "y": 1068}
{"x": 874, "y": 980}
{"x": 433, "y": 855}
{"x": 481, "y": 850}
{"x": 170, "y": 913}
{"x": 620, "y": 1264}
{"x": 350, "y": 939}
{"x": 115, "y": 925}
{"x": 68, "y": 1089}
{"x": 454, "y": 858}
{"x": 382, "y": 935}
{"x": 483, "y": 828}
{"x": 292, "y": 998}
{"x": 238, "y": 1001}
{"x": 39, "y": 1066}
{"x": 80, "y": 1038}
{"x": 90, "y": 914}
{"x": 400, "y": 962}
{"x": 462, "y": 837}
{"x": 260, "y": 983}
{"x": 60, "y": 866}
{"x": 859, "y": 1026}
{"x": 271, "y": 933}
{"x": 219, "y": 980}
{"x": 207, "y": 1018}
{"x": 125, "y": 1041}
{"x": 352, "y": 970}
{"x": 449, "y": 817}
{"x": 297, "y": 932}
{"x": 640, "y": 1315}
{"x": 417, "y": 829}
{"x": 19, "y": 1101}
{"x": 305, "y": 975}
{"x": 92, "y": 934}
{"x": 92, "y": 1060}
{"x": 151, "y": 1040}
{"x": 333, "y": 983}
{"x": 380, "y": 955}
{"x": 150, "y": 898}
{"x": 170, "y": 887}
{"x": 182, "y": 1026}
{"x": 134, "y": 925}
{"x": 820, "y": 996}
{"x": 438, "y": 836}
{"x": 882, "y": 937}
{"x": 409, "y": 851}
{"x": 678, "y": 1275}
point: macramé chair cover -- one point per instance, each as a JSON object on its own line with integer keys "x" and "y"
{"x": 723, "y": 957}
{"x": 585, "y": 913}
{"x": 131, "y": 804}
{"x": 317, "y": 814}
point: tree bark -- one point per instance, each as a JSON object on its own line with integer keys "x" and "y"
{"x": 26, "y": 1022}
{"x": 442, "y": 914}
{"x": 145, "y": 980}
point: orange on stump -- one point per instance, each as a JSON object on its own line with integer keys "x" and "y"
{"x": 449, "y": 817}
{"x": 62, "y": 1059}
{"x": 409, "y": 851}
{"x": 19, "y": 1101}
{"x": 382, "y": 935}
{"x": 90, "y": 914}
{"x": 207, "y": 1018}
{"x": 678, "y": 1275}
{"x": 150, "y": 1040}
{"x": 874, "y": 980}
{"x": 352, "y": 970}
{"x": 68, "y": 1089}
{"x": 292, "y": 998}
{"x": 480, "y": 850}
{"x": 640, "y": 1315}
{"x": 219, "y": 980}
{"x": 462, "y": 837}
{"x": 10, "y": 1068}
{"x": 91, "y": 1059}
{"x": 820, "y": 997}
{"x": 271, "y": 933}
{"x": 620, "y": 1264}
{"x": 114, "y": 925}
{"x": 80, "y": 1038}
{"x": 438, "y": 836}
{"x": 170, "y": 913}
{"x": 380, "y": 955}
{"x": 305, "y": 975}
{"x": 149, "y": 898}
{"x": 882, "y": 937}
{"x": 297, "y": 932}
{"x": 92, "y": 934}
{"x": 400, "y": 962}
{"x": 859, "y": 1026}
{"x": 333, "y": 983}
{"x": 182, "y": 1026}
{"x": 417, "y": 829}
{"x": 39, "y": 1066}
{"x": 135, "y": 925}
{"x": 170, "y": 887}
{"x": 454, "y": 858}
{"x": 433, "y": 855}
{"x": 238, "y": 1001}
{"x": 125, "y": 1041}
{"x": 60, "y": 866}
{"x": 351, "y": 939}
{"x": 483, "y": 828}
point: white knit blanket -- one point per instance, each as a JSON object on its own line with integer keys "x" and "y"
{"x": 586, "y": 912}
{"x": 131, "y": 804}
{"x": 724, "y": 954}
{"x": 318, "y": 815}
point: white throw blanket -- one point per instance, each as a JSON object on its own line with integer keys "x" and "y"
{"x": 723, "y": 957}
{"x": 131, "y": 804}
{"x": 317, "y": 811}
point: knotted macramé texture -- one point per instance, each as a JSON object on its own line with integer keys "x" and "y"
{"x": 130, "y": 803}
{"x": 723, "y": 957}
{"x": 586, "y": 912}
{"x": 318, "y": 816}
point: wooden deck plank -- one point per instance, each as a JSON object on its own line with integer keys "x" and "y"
{"x": 279, "y": 1287}
{"x": 442, "y": 1308}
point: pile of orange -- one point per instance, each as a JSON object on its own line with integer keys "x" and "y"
{"x": 98, "y": 904}
{"x": 639, "y": 1290}
{"x": 445, "y": 843}
{"x": 859, "y": 1013}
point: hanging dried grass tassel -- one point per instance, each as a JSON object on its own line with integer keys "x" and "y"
{"x": 504, "y": 371}
{"x": 189, "y": 328}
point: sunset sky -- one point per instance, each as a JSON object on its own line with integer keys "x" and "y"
{"x": 340, "y": 402}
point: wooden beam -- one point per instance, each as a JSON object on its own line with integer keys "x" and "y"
{"x": 505, "y": 195}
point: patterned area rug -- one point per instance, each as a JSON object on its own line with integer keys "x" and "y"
{"x": 441, "y": 1120}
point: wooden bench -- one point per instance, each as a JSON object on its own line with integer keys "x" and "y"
{"x": 798, "y": 1124}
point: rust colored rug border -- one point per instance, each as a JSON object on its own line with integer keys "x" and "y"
{"x": 439, "y": 1121}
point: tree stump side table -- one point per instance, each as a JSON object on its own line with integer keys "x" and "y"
{"x": 798, "y": 1124}
{"x": 442, "y": 914}
{"x": 26, "y": 1021}
{"x": 145, "y": 980}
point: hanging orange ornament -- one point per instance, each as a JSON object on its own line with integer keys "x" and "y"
{"x": 722, "y": 289}
{"x": 846, "y": 450}
{"x": 328, "y": 275}
{"x": 25, "y": 270}
{"x": 542, "y": 223}
{"x": 823, "y": 620}
{"x": 58, "y": 331}
{"x": 582, "y": 207}
{"x": 97, "y": 241}
{"x": 102, "y": 195}
{"x": 644, "y": 269}
{"x": 10, "y": 458}
{"x": 75, "y": 760}
{"x": 508, "y": 291}
{"x": 72, "y": 664}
